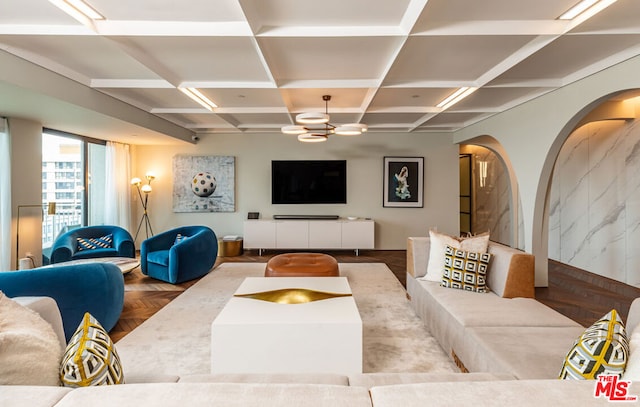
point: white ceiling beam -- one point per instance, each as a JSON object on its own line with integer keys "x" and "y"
{"x": 252, "y": 110}
{"x": 45, "y": 29}
{"x": 47, "y": 64}
{"x": 444, "y": 84}
{"x": 175, "y": 110}
{"x": 329, "y": 83}
{"x": 329, "y": 31}
{"x": 173, "y": 28}
{"x": 496, "y": 27}
{"x": 131, "y": 83}
{"x": 333, "y": 110}
{"x": 145, "y": 59}
{"x": 602, "y": 64}
{"x": 269, "y": 126}
{"x": 529, "y": 83}
{"x": 228, "y": 85}
{"x": 405, "y": 109}
{"x": 421, "y": 121}
{"x": 411, "y": 14}
{"x": 514, "y": 58}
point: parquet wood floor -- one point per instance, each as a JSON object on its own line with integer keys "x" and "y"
{"x": 582, "y": 296}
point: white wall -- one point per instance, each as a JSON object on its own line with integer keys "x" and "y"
{"x": 364, "y": 156}
{"x": 26, "y": 186}
{"x": 532, "y": 134}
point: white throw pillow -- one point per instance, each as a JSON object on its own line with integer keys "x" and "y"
{"x": 30, "y": 351}
{"x": 439, "y": 242}
{"x": 632, "y": 371}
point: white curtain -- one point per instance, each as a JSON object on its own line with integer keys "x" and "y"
{"x": 5, "y": 196}
{"x": 117, "y": 185}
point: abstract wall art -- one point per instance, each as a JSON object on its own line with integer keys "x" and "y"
{"x": 203, "y": 183}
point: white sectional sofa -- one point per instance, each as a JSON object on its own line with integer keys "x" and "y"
{"x": 499, "y": 337}
{"x": 503, "y": 331}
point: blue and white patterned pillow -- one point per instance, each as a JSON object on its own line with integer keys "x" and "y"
{"x": 104, "y": 242}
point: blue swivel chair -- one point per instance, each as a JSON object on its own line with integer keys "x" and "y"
{"x": 96, "y": 288}
{"x": 180, "y": 254}
{"x": 66, "y": 246}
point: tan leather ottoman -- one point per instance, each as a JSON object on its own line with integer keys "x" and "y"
{"x": 302, "y": 265}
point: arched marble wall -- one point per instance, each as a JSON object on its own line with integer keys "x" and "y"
{"x": 497, "y": 195}
{"x": 533, "y": 132}
{"x": 594, "y": 196}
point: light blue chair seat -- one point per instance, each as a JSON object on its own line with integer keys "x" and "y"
{"x": 162, "y": 258}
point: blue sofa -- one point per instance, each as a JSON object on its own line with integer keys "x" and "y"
{"x": 97, "y": 288}
{"x": 65, "y": 247}
{"x": 162, "y": 258}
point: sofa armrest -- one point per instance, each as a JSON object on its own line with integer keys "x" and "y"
{"x": 418, "y": 255}
{"x": 512, "y": 272}
{"x": 123, "y": 243}
{"x": 633, "y": 318}
{"x": 47, "y": 308}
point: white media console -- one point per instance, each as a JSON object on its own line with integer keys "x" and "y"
{"x": 309, "y": 234}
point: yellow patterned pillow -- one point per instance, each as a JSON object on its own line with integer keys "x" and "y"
{"x": 602, "y": 349}
{"x": 90, "y": 358}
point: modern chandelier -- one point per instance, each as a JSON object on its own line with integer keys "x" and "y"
{"x": 315, "y": 127}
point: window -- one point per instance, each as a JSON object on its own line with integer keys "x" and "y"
{"x": 73, "y": 177}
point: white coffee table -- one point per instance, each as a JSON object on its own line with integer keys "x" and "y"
{"x": 255, "y": 336}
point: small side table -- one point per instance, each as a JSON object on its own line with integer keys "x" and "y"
{"x": 230, "y": 248}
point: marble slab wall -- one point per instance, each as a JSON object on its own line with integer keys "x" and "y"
{"x": 594, "y": 216}
{"x": 492, "y": 197}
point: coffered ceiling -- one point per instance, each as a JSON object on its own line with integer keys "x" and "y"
{"x": 387, "y": 63}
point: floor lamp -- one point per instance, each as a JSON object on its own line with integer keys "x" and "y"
{"x": 51, "y": 210}
{"x": 146, "y": 190}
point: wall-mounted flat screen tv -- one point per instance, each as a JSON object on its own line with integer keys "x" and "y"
{"x": 309, "y": 182}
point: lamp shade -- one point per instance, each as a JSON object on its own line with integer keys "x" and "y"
{"x": 146, "y": 188}
{"x": 294, "y": 130}
{"x": 363, "y": 127}
{"x": 312, "y": 118}
{"x": 136, "y": 181}
{"x": 348, "y": 130}
{"x": 312, "y": 138}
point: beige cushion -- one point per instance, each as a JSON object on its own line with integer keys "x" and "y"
{"x": 30, "y": 351}
{"x": 370, "y": 380}
{"x": 282, "y": 378}
{"x": 521, "y": 393}
{"x": 218, "y": 394}
{"x": 525, "y": 352}
{"x": 439, "y": 242}
{"x": 632, "y": 372}
{"x": 31, "y": 396}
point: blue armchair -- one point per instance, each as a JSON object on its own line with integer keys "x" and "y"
{"x": 162, "y": 258}
{"x": 97, "y": 288}
{"x": 65, "y": 247}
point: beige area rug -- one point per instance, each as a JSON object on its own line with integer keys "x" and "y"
{"x": 176, "y": 340}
